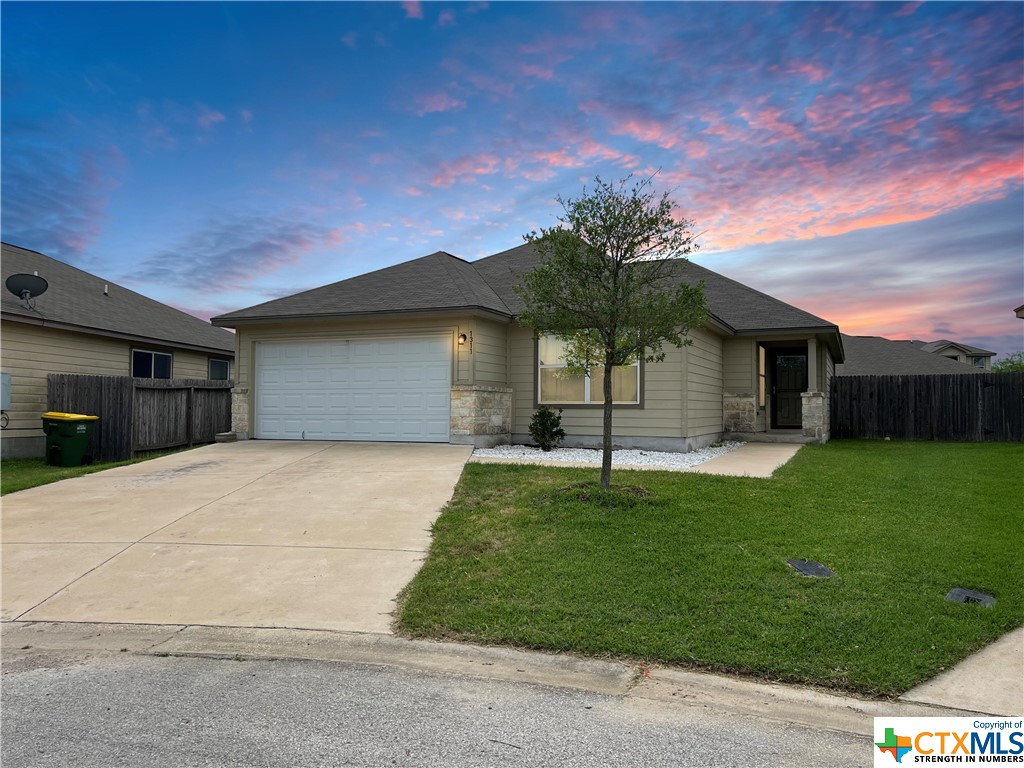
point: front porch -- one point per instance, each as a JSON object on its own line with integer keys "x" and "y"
{"x": 778, "y": 392}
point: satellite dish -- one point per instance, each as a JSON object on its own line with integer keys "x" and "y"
{"x": 26, "y": 287}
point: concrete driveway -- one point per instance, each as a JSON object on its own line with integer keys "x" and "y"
{"x": 307, "y": 535}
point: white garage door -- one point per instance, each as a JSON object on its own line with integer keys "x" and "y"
{"x": 395, "y": 388}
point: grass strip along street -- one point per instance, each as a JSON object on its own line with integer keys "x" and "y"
{"x": 20, "y": 474}
{"x": 690, "y": 569}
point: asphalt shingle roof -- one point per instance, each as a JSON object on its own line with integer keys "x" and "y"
{"x": 442, "y": 281}
{"x": 437, "y": 281}
{"x": 935, "y": 346}
{"x": 76, "y": 298}
{"x": 878, "y": 356}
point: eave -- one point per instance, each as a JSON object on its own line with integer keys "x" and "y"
{"x": 74, "y": 328}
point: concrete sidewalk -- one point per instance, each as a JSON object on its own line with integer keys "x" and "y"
{"x": 749, "y": 460}
{"x": 990, "y": 681}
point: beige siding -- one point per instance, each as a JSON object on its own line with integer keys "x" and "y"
{"x": 704, "y": 373}
{"x": 739, "y": 366}
{"x": 30, "y": 352}
{"x": 193, "y": 365}
{"x": 661, "y": 415}
{"x": 490, "y": 352}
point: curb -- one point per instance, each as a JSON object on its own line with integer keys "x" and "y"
{"x": 662, "y": 688}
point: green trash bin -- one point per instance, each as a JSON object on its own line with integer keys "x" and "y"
{"x": 67, "y": 438}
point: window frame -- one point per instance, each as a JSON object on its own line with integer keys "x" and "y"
{"x": 978, "y": 361}
{"x": 152, "y": 366}
{"x": 537, "y": 402}
{"x": 209, "y": 371}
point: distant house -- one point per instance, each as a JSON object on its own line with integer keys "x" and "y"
{"x": 430, "y": 350}
{"x": 1019, "y": 311}
{"x": 961, "y": 353}
{"x": 85, "y": 324}
{"x": 878, "y": 356}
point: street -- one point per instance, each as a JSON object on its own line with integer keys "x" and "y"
{"x": 74, "y": 709}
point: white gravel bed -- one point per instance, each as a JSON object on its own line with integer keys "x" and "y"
{"x": 630, "y": 458}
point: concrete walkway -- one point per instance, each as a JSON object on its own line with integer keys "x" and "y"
{"x": 749, "y": 460}
{"x": 258, "y": 533}
{"x": 990, "y": 681}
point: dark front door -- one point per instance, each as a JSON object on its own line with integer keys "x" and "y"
{"x": 789, "y": 380}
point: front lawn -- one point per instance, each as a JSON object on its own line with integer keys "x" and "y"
{"x": 695, "y": 573}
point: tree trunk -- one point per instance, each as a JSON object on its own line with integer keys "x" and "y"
{"x": 606, "y": 455}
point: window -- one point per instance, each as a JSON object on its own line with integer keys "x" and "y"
{"x": 151, "y": 365}
{"x": 220, "y": 370}
{"x": 556, "y": 386}
{"x": 978, "y": 362}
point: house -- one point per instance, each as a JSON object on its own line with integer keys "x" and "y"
{"x": 1019, "y": 312}
{"x": 878, "y": 356}
{"x": 429, "y": 350}
{"x": 85, "y": 324}
{"x": 961, "y": 353}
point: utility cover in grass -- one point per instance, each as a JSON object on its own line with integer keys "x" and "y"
{"x": 969, "y": 596}
{"x": 810, "y": 568}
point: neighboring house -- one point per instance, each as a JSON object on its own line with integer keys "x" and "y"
{"x": 429, "y": 350}
{"x": 878, "y": 356}
{"x": 1019, "y": 311}
{"x": 85, "y": 324}
{"x": 961, "y": 353}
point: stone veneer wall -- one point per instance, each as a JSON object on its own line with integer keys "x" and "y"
{"x": 240, "y": 412}
{"x": 815, "y": 415}
{"x": 481, "y": 415}
{"x": 740, "y": 413}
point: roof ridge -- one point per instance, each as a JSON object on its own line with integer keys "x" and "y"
{"x": 457, "y": 279}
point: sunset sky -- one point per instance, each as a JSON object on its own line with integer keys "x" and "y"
{"x": 863, "y": 162}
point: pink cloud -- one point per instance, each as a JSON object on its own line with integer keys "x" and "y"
{"x": 946, "y": 106}
{"x": 413, "y": 191}
{"x": 437, "y": 102}
{"x": 535, "y": 70}
{"x": 767, "y": 119}
{"x": 447, "y": 18}
{"x": 696, "y": 149}
{"x": 246, "y": 115}
{"x": 466, "y": 168}
{"x": 559, "y": 158}
{"x": 413, "y": 9}
{"x": 908, "y": 9}
{"x": 647, "y": 130}
{"x": 209, "y": 117}
{"x": 749, "y": 206}
{"x": 811, "y": 71}
{"x": 349, "y": 40}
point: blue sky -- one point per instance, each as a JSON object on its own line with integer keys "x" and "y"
{"x": 863, "y": 162}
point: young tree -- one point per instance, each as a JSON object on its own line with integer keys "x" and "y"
{"x": 1012, "y": 362}
{"x": 609, "y": 283}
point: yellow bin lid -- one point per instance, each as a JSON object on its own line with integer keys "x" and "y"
{"x": 58, "y": 416}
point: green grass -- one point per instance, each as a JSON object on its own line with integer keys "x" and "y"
{"x": 19, "y": 474}
{"x": 695, "y": 574}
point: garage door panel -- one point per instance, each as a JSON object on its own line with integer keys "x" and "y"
{"x": 355, "y": 389}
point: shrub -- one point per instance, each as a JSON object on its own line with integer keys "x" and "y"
{"x": 546, "y": 428}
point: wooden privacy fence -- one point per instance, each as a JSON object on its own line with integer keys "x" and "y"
{"x": 143, "y": 414}
{"x": 975, "y": 407}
